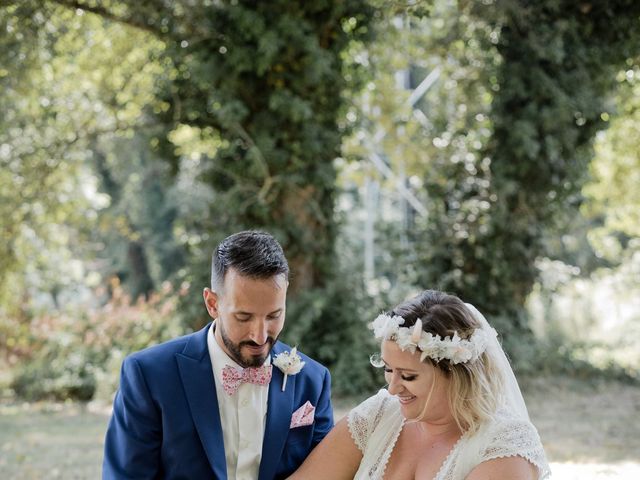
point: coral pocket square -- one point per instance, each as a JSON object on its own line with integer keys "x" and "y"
{"x": 303, "y": 416}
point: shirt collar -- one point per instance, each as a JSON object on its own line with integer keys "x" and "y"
{"x": 220, "y": 358}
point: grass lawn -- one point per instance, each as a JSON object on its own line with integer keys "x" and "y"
{"x": 590, "y": 431}
{"x": 50, "y": 441}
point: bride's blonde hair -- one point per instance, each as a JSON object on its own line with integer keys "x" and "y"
{"x": 475, "y": 387}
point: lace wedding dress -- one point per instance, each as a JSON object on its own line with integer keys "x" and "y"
{"x": 376, "y": 423}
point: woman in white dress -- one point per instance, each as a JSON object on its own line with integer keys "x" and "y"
{"x": 452, "y": 409}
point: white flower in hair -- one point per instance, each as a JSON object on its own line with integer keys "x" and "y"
{"x": 416, "y": 333}
{"x": 481, "y": 339}
{"x": 458, "y": 350}
{"x": 404, "y": 340}
{"x": 431, "y": 346}
{"x": 385, "y": 326}
{"x": 454, "y": 348}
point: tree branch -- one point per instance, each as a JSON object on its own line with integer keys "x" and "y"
{"x": 104, "y": 12}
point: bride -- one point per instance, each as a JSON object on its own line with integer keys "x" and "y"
{"x": 452, "y": 410}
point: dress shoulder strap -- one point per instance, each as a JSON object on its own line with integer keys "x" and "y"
{"x": 511, "y": 437}
{"x": 364, "y": 418}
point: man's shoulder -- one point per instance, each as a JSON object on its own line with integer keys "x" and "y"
{"x": 166, "y": 349}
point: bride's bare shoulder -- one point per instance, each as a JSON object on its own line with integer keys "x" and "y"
{"x": 513, "y": 468}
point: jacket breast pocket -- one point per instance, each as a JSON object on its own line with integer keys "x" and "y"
{"x": 300, "y": 436}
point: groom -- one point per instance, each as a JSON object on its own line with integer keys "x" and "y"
{"x": 212, "y": 404}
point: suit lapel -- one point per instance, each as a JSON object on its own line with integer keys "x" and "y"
{"x": 279, "y": 411}
{"x": 196, "y": 373}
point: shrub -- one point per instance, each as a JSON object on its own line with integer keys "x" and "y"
{"x": 76, "y": 355}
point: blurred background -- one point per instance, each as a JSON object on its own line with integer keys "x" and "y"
{"x": 486, "y": 148}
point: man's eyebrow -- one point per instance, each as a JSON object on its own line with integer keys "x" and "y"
{"x": 242, "y": 312}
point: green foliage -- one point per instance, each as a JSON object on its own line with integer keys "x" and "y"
{"x": 270, "y": 85}
{"x": 498, "y": 149}
{"x": 66, "y": 357}
{"x": 267, "y": 91}
{"x": 79, "y": 79}
{"x": 246, "y": 105}
{"x": 262, "y": 82}
{"x": 440, "y": 148}
{"x": 612, "y": 196}
{"x": 36, "y": 200}
{"x": 57, "y": 374}
{"x": 548, "y": 82}
{"x": 330, "y": 325}
{"x": 555, "y": 74}
{"x": 587, "y": 326}
{"x": 137, "y": 226}
{"x": 587, "y": 318}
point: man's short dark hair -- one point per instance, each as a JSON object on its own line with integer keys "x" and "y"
{"x": 252, "y": 254}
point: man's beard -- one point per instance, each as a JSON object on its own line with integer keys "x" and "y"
{"x": 235, "y": 350}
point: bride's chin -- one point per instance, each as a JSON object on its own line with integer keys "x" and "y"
{"x": 411, "y": 410}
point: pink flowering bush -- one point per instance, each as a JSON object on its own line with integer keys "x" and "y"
{"x": 77, "y": 355}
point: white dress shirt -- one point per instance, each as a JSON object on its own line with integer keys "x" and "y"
{"x": 243, "y": 416}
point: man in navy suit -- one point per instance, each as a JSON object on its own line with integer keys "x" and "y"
{"x": 212, "y": 405}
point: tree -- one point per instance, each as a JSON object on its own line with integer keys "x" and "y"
{"x": 261, "y": 82}
{"x": 557, "y": 71}
{"x": 80, "y": 95}
{"x": 507, "y": 134}
{"x": 37, "y": 188}
{"x": 611, "y": 193}
{"x": 268, "y": 80}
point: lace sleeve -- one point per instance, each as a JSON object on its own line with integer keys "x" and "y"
{"x": 517, "y": 437}
{"x": 363, "y": 419}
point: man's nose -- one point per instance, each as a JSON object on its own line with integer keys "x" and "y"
{"x": 259, "y": 333}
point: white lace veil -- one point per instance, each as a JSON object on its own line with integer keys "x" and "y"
{"x": 513, "y": 400}
{"x": 529, "y": 446}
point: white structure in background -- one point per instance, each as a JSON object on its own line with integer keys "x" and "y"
{"x": 377, "y": 155}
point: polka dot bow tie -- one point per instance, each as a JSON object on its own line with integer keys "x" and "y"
{"x": 233, "y": 377}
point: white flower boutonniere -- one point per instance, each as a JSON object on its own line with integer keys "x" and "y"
{"x": 289, "y": 363}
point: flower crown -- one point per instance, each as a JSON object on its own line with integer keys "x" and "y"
{"x": 454, "y": 349}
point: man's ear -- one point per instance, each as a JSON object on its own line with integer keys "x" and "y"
{"x": 211, "y": 302}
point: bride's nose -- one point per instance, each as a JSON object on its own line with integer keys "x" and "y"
{"x": 395, "y": 384}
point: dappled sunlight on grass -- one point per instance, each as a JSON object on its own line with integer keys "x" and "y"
{"x": 595, "y": 471}
{"x": 47, "y": 440}
{"x": 586, "y": 422}
{"x": 589, "y": 430}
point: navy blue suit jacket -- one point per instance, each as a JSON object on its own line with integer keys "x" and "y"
{"x": 166, "y": 422}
